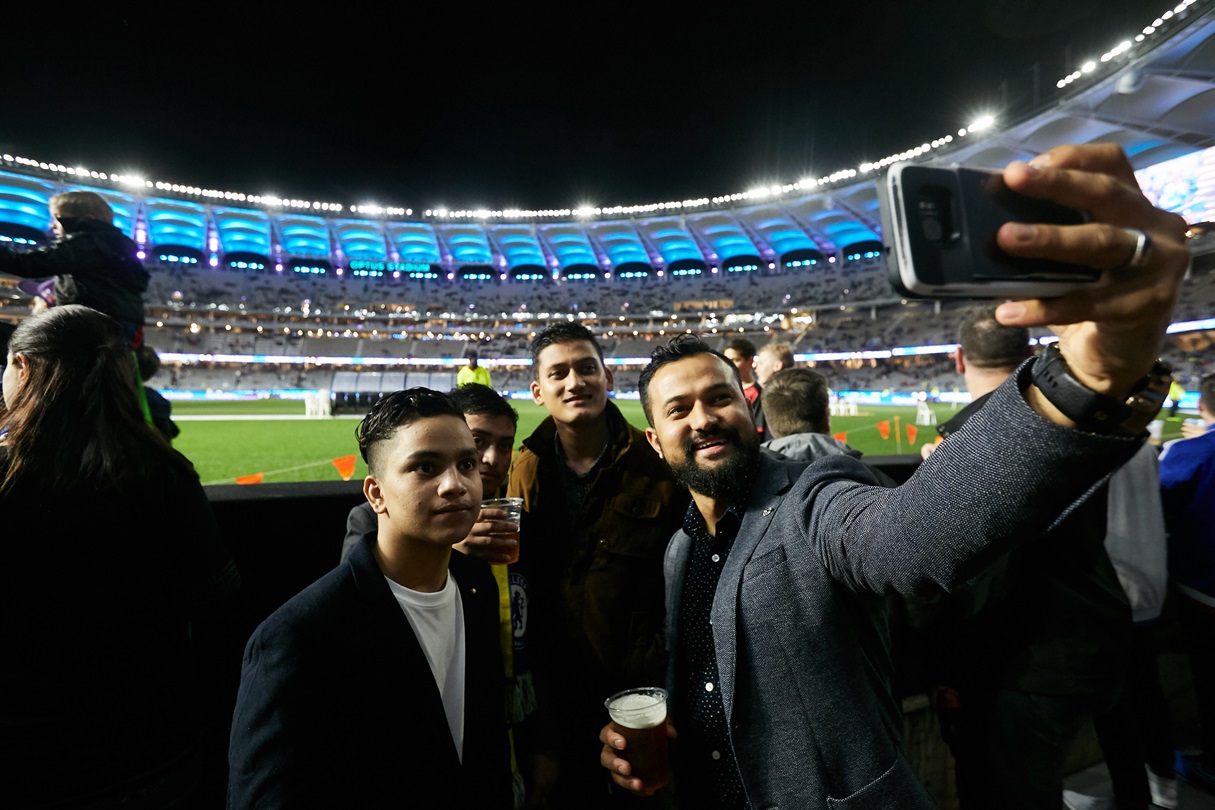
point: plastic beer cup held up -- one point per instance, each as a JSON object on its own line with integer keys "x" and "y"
{"x": 641, "y": 714}
{"x": 514, "y": 513}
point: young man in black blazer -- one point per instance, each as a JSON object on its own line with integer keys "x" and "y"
{"x": 381, "y": 684}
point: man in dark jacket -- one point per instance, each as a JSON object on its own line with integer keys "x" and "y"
{"x": 384, "y": 678}
{"x": 1042, "y": 644}
{"x": 599, "y": 507}
{"x": 780, "y": 684}
{"x": 93, "y": 263}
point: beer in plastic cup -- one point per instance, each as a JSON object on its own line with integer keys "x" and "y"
{"x": 514, "y": 513}
{"x": 641, "y": 714}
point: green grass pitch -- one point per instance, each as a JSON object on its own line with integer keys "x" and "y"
{"x": 229, "y": 439}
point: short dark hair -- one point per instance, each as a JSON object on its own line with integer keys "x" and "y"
{"x": 562, "y": 332}
{"x": 397, "y": 410}
{"x": 796, "y": 400}
{"x": 741, "y": 345}
{"x": 680, "y": 347}
{"x": 1206, "y": 391}
{"x": 481, "y": 400}
{"x": 987, "y": 343}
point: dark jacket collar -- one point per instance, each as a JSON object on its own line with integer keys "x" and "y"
{"x": 542, "y": 442}
{"x": 368, "y": 577}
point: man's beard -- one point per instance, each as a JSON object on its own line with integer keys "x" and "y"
{"x": 729, "y": 482}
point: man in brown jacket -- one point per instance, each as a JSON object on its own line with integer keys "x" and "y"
{"x": 599, "y": 508}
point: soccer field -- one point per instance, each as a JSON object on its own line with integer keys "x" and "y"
{"x": 271, "y": 438}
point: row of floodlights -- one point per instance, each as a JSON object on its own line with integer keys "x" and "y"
{"x": 1125, "y": 45}
{"x": 587, "y": 211}
{"x": 178, "y": 188}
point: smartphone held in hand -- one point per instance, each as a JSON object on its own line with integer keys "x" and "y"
{"x": 939, "y": 225}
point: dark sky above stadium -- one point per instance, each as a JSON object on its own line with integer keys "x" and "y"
{"x": 449, "y": 104}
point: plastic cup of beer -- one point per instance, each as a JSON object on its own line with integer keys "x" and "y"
{"x": 641, "y": 714}
{"x": 513, "y": 507}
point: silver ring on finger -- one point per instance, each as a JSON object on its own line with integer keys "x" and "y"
{"x": 1143, "y": 246}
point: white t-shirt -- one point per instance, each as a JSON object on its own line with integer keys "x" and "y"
{"x": 437, "y": 620}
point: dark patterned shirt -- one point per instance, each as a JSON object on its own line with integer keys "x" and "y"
{"x": 706, "y": 759}
{"x": 577, "y": 486}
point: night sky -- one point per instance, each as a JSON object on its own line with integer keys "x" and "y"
{"x": 599, "y": 104}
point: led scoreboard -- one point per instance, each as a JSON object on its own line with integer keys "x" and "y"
{"x": 375, "y": 269}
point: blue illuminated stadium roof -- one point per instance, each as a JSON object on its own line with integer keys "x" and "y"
{"x": 23, "y": 201}
{"x": 467, "y": 244}
{"x": 620, "y": 241}
{"x": 243, "y": 230}
{"x": 724, "y": 233}
{"x": 775, "y": 226}
{"x": 414, "y": 242}
{"x": 176, "y": 222}
{"x": 569, "y": 243}
{"x": 303, "y": 236}
{"x": 360, "y": 239}
{"x": 671, "y": 239}
{"x": 518, "y": 245}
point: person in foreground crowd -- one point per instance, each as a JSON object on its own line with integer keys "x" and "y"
{"x": 1137, "y": 731}
{"x": 797, "y": 405}
{"x": 599, "y": 507}
{"x": 93, "y": 263}
{"x": 382, "y": 682}
{"x": 99, "y": 701}
{"x": 780, "y": 667}
{"x": 492, "y": 421}
{"x": 1042, "y": 644}
{"x": 1187, "y": 483}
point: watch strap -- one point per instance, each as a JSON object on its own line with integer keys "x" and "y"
{"x": 1095, "y": 412}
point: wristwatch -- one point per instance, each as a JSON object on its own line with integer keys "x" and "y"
{"x": 1099, "y": 413}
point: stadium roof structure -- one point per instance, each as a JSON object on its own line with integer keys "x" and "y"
{"x": 1155, "y": 98}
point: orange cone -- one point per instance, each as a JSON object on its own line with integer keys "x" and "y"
{"x": 256, "y": 478}
{"x": 345, "y": 466}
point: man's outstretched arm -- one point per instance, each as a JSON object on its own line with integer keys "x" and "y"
{"x": 1020, "y": 464}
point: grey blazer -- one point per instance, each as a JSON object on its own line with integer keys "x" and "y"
{"x": 799, "y": 622}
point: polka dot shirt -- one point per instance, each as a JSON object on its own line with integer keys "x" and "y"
{"x": 706, "y": 759}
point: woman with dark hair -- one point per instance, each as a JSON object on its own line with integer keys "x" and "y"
{"x": 110, "y": 551}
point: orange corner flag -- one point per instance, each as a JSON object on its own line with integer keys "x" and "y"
{"x": 911, "y": 431}
{"x": 884, "y": 429}
{"x": 345, "y": 466}
{"x": 842, "y": 436}
{"x": 256, "y": 478}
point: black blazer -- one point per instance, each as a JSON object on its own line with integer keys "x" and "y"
{"x": 338, "y": 707}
